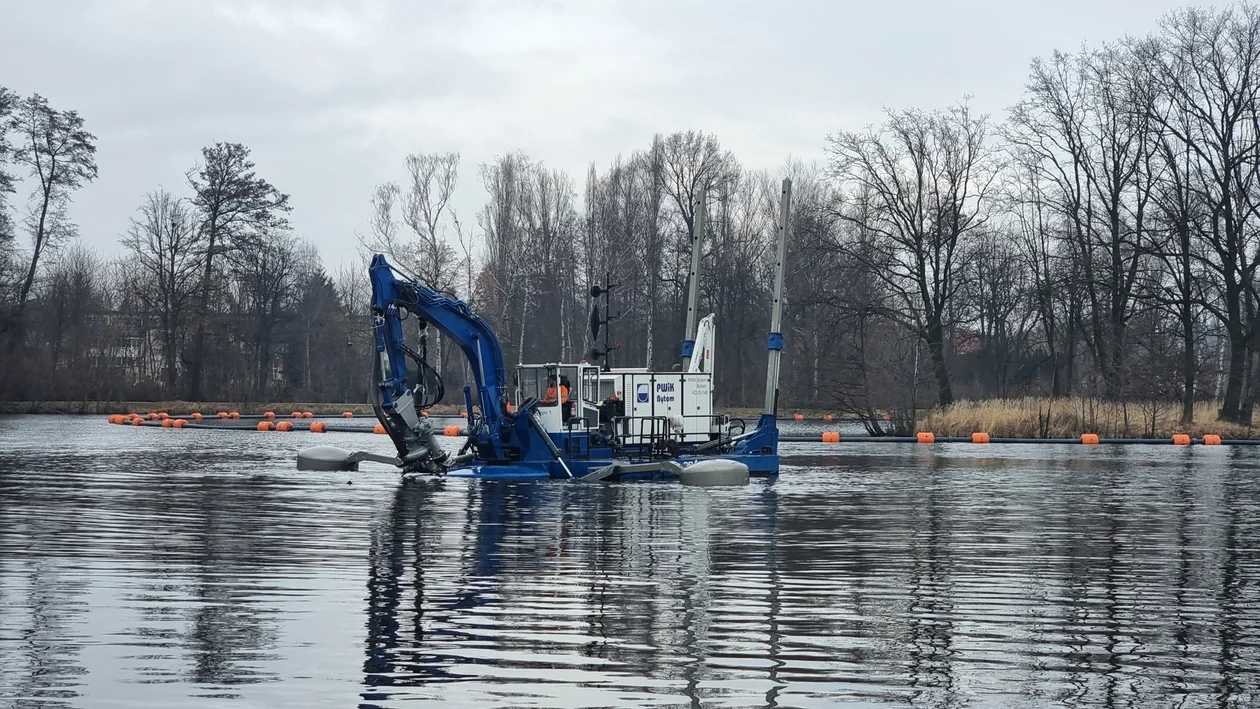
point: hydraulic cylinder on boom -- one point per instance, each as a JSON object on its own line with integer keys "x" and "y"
{"x": 496, "y": 436}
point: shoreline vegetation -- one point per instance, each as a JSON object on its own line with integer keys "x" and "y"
{"x": 1029, "y": 417}
{"x": 1070, "y": 417}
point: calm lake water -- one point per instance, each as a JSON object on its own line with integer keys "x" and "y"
{"x": 163, "y": 568}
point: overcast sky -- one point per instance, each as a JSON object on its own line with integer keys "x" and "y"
{"x": 331, "y": 95}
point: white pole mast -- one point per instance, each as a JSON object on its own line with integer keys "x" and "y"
{"x": 774, "y": 341}
{"x": 693, "y": 279}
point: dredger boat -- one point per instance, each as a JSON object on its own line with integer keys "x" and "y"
{"x": 581, "y": 421}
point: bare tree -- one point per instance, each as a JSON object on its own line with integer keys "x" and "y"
{"x": 1077, "y": 131}
{"x": 431, "y": 180}
{"x": 266, "y": 278}
{"x": 383, "y": 227}
{"x": 692, "y": 162}
{"x": 422, "y": 204}
{"x": 74, "y": 301}
{"x": 921, "y": 184}
{"x": 1036, "y": 228}
{"x": 423, "y": 201}
{"x": 169, "y": 250}
{"x": 1181, "y": 282}
{"x": 653, "y": 163}
{"x": 613, "y": 234}
{"x": 8, "y": 100}
{"x": 507, "y": 256}
{"x": 61, "y": 157}
{"x": 1206, "y": 71}
{"x": 235, "y": 206}
{"x": 997, "y": 302}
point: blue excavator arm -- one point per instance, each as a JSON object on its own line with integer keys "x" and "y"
{"x": 492, "y": 433}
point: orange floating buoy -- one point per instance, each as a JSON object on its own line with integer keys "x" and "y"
{"x": 180, "y": 423}
{"x": 831, "y": 437}
{"x": 925, "y": 437}
{"x": 167, "y": 422}
{"x": 296, "y": 414}
{"x": 1089, "y": 439}
{"x": 265, "y": 426}
{"x": 163, "y": 415}
{"x": 379, "y": 430}
{"x": 284, "y": 426}
{"x": 979, "y": 437}
{"x": 827, "y": 418}
{"x": 113, "y": 418}
{"x": 464, "y": 414}
{"x": 136, "y": 421}
{"x": 308, "y": 414}
{"x": 1211, "y": 439}
{"x": 798, "y": 417}
{"x": 347, "y": 414}
{"x": 269, "y": 414}
{"x": 234, "y": 415}
{"x": 197, "y": 416}
{"x": 223, "y": 414}
{"x": 153, "y": 416}
{"x": 1181, "y": 439}
{"x": 319, "y": 427}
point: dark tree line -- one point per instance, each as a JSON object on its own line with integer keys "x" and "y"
{"x": 1102, "y": 238}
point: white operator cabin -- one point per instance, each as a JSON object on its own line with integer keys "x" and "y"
{"x": 634, "y": 404}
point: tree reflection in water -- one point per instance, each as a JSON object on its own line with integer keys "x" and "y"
{"x": 188, "y": 571}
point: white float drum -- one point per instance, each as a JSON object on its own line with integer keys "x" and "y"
{"x": 325, "y": 458}
{"x": 718, "y": 471}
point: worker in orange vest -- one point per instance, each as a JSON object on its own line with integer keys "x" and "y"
{"x": 549, "y": 399}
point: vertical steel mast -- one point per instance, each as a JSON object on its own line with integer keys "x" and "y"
{"x": 693, "y": 279}
{"x": 774, "y": 341}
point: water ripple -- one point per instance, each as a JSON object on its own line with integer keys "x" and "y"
{"x": 154, "y": 568}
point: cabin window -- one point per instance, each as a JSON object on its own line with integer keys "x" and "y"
{"x": 590, "y": 385}
{"x": 607, "y": 388}
{"x": 533, "y": 382}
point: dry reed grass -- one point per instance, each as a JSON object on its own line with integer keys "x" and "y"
{"x": 1069, "y": 418}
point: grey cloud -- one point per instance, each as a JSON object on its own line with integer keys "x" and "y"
{"x": 331, "y": 95}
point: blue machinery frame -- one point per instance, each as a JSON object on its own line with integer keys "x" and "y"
{"x": 512, "y": 445}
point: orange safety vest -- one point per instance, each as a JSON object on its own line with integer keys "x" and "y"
{"x": 550, "y": 396}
